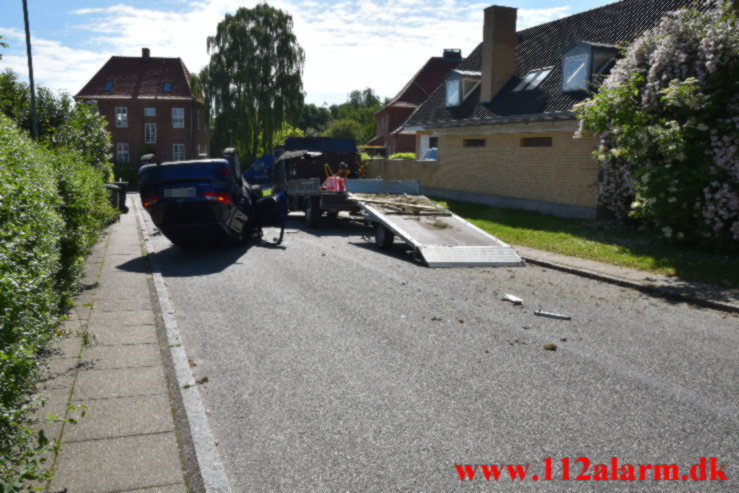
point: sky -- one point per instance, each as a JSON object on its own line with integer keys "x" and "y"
{"x": 348, "y": 44}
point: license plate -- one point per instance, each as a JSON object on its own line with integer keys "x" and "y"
{"x": 180, "y": 193}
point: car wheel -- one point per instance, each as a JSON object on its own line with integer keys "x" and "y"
{"x": 383, "y": 237}
{"x": 312, "y": 212}
{"x": 332, "y": 215}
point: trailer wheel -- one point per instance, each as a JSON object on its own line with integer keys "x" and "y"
{"x": 312, "y": 212}
{"x": 383, "y": 237}
{"x": 332, "y": 215}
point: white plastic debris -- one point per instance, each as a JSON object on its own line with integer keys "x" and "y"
{"x": 513, "y": 299}
{"x": 552, "y": 315}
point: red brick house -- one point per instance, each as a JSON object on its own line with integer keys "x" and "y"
{"x": 389, "y": 131}
{"x": 150, "y": 107}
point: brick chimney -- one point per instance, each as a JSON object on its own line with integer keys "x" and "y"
{"x": 498, "y": 50}
{"x": 145, "y": 54}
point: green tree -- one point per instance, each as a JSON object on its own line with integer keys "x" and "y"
{"x": 344, "y": 129}
{"x": 3, "y": 44}
{"x": 84, "y": 131}
{"x": 284, "y": 132}
{"x": 314, "y": 119}
{"x": 253, "y": 82}
{"x": 15, "y": 102}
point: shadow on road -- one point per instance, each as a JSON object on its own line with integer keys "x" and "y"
{"x": 342, "y": 226}
{"x": 177, "y": 262}
{"x": 400, "y": 251}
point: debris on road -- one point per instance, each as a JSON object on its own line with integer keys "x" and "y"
{"x": 513, "y": 299}
{"x": 460, "y": 321}
{"x": 201, "y": 381}
{"x": 552, "y": 315}
{"x": 192, "y": 363}
{"x": 563, "y": 339}
{"x": 550, "y": 347}
{"x": 435, "y": 319}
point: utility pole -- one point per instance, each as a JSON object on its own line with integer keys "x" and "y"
{"x": 34, "y": 120}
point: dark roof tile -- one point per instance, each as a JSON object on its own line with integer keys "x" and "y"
{"x": 134, "y": 78}
{"x": 542, "y": 46}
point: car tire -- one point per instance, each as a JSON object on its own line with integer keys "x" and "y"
{"x": 383, "y": 237}
{"x": 332, "y": 215}
{"x": 312, "y": 212}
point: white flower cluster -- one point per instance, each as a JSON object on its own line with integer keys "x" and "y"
{"x": 678, "y": 64}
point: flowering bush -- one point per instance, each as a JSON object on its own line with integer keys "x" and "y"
{"x": 667, "y": 122}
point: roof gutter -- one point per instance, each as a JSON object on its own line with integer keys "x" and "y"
{"x": 532, "y": 118}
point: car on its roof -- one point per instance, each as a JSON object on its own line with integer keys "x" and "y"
{"x": 200, "y": 202}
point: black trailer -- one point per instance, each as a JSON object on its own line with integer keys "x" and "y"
{"x": 302, "y": 168}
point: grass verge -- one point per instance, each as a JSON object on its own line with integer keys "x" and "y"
{"x": 603, "y": 241}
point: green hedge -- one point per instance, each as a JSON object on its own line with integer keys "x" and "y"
{"x": 52, "y": 208}
{"x": 403, "y": 155}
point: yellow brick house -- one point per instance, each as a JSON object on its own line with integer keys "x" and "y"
{"x": 503, "y": 120}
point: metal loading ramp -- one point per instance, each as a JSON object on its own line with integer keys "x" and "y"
{"x": 441, "y": 238}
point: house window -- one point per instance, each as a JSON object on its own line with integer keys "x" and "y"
{"x": 150, "y": 133}
{"x": 576, "y": 72}
{"x": 434, "y": 142}
{"x": 468, "y": 85}
{"x": 452, "y": 91}
{"x": 121, "y": 117}
{"x": 167, "y": 87}
{"x": 178, "y": 152}
{"x": 539, "y": 78}
{"x": 536, "y": 142}
{"x": 150, "y": 112}
{"x": 121, "y": 153}
{"x": 108, "y": 86}
{"x": 533, "y": 79}
{"x": 178, "y": 117}
{"x": 473, "y": 142}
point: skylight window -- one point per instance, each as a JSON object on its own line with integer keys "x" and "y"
{"x": 108, "y": 86}
{"x": 167, "y": 87}
{"x": 526, "y": 80}
{"x": 539, "y": 78}
{"x": 533, "y": 79}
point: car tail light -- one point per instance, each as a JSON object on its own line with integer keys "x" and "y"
{"x": 219, "y": 197}
{"x": 148, "y": 202}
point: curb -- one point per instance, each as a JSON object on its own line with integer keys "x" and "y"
{"x": 644, "y": 288}
{"x": 212, "y": 470}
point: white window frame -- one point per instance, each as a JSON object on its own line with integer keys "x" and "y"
{"x": 150, "y": 133}
{"x": 178, "y": 117}
{"x": 150, "y": 112}
{"x": 121, "y": 117}
{"x": 178, "y": 152}
{"x": 122, "y": 155}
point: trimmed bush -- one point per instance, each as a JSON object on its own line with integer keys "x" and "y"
{"x": 30, "y": 228}
{"x": 52, "y": 208}
{"x": 85, "y": 209}
{"x": 403, "y": 155}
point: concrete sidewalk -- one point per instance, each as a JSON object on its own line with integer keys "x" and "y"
{"x": 110, "y": 358}
{"x": 710, "y": 296}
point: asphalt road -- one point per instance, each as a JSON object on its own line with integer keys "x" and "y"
{"x": 334, "y": 366}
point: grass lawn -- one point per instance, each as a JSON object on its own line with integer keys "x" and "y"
{"x": 602, "y": 241}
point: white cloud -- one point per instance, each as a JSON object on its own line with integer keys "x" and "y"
{"x": 348, "y": 45}
{"x": 55, "y": 65}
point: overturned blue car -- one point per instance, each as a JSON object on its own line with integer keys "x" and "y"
{"x": 206, "y": 202}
